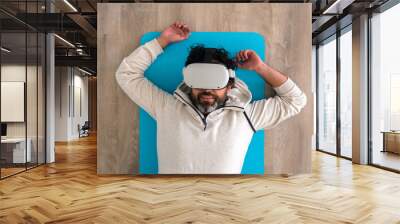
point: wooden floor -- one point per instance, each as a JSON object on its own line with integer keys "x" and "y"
{"x": 387, "y": 159}
{"x": 5, "y": 172}
{"x": 69, "y": 191}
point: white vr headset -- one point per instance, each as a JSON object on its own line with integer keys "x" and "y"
{"x": 207, "y": 75}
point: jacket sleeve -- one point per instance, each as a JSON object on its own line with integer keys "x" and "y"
{"x": 268, "y": 113}
{"x": 130, "y": 77}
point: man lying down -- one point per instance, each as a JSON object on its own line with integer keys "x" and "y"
{"x": 206, "y": 125}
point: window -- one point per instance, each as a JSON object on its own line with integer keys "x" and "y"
{"x": 327, "y": 96}
{"x": 385, "y": 89}
{"x": 346, "y": 93}
{"x": 22, "y": 78}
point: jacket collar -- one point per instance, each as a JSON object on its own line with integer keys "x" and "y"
{"x": 238, "y": 97}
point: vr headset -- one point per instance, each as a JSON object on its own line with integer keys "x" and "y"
{"x": 207, "y": 74}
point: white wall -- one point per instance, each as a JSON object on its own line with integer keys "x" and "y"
{"x": 70, "y": 81}
{"x": 62, "y": 81}
{"x": 12, "y": 73}
{"x": 33, "y": 126}
{"x": 80, "y": 83}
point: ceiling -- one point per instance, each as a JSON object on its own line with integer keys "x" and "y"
{"x": 76, "y": 22}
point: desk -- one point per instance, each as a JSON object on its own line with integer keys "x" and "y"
{"x": 13, "y": 150}
{"x": 391, "y": 141}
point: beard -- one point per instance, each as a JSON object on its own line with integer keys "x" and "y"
{"x": 207, "y": 102}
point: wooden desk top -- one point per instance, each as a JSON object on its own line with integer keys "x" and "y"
{"x": 391, "y": 132}
{"x": 13, "y": 140}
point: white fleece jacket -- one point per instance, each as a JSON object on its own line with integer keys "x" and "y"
{"x": 189, "y": 143}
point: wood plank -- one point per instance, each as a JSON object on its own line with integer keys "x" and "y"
{"x": 287, "y": 30}
{"x": 70, "y": 191}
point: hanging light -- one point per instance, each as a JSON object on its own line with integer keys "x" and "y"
{"x": 5, "y": 50}
{"x": 70, "y": 5}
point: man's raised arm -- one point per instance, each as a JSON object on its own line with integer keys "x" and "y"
{"x": 289, "y": 101}
{"x": 130, "y": 76}
{"x": 130, "y": 73}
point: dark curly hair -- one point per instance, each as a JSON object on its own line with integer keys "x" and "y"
{"x": 200, "y": 54}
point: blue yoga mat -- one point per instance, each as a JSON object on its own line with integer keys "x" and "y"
{"x": 171, "y": 62}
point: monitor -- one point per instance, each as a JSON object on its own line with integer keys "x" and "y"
{"x": 3, "y": 129}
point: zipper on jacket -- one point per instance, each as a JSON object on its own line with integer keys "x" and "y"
{"x": 199, "y": 113}
{"x": 204, "y": 120}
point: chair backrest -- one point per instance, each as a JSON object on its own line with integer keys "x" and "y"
{"x": 86, "y": 125}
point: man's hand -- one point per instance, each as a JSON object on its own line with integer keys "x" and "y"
{"x": 248, "y": 59}
{"x": 176, "y": 32}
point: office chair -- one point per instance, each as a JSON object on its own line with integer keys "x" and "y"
{"x": 84, "y": 130}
